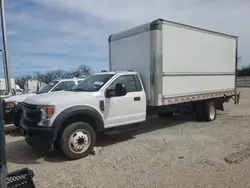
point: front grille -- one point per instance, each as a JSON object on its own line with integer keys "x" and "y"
{"x": 31, "y": 106}
{"x": 31, "y": 114}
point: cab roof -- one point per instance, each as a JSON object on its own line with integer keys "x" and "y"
{"x": 70, "y": 79}
{"x": 115, "y": 72}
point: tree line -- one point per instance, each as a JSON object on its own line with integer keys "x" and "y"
{"x": 81, "y": 71}
{"x": 245, "y": 71}
{"x": 46, "y": 77}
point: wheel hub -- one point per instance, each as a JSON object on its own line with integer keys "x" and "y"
{"x": 212, "y": 112}
{"x": 79, "y": 141}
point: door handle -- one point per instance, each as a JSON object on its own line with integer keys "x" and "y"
{"x": 137, "y": 98}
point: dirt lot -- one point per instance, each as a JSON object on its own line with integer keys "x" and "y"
{"x": 177, "y": 152}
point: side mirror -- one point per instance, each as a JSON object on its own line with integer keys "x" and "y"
{"x": 120, "y": 90}
{"x": 58, "y": 89}
{"x": 109, "y": 93}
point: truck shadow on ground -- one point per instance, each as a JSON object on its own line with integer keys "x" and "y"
{"x": 20, "y": 153}
{"x": 153, "y": 123}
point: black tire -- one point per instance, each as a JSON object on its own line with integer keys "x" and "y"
{"x": 199, "y": 108}
{"x": 166, "y": 115}
{"x": 65, "y": 139}
{"x": 7, "y": 122}
{"x": 17, "y": 114}
{"x": 209, "y": 111}
{"x": 17, "y": 117}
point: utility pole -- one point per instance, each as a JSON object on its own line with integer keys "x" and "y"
{"x": 5, "y": 51}
{"x": 3, "y": 164}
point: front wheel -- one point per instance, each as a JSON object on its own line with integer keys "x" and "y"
{"x": 78, "y": 140}
{"x": 17, "y": 117}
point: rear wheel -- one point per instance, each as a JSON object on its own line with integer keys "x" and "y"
{"x": 199, "y": 111}
{"x": 77, "y": 140}
{"x": 209, "y": 111}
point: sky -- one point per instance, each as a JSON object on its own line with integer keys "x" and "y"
{"x": 63, "y": 34}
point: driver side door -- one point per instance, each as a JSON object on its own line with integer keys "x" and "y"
{"x": 128, "y": 109}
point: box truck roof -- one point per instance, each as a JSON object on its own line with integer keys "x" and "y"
{"x": 157, "y": 25}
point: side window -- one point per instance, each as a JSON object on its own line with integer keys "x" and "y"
{"x": 138, "y": 83}
{"x": 66, "y": 86}
{"x": 127, "y": 80}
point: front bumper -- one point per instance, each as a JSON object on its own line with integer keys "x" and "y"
{"x": 41, "y": 137}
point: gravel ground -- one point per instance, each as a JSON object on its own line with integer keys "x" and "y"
{"x": 177, "y": 152}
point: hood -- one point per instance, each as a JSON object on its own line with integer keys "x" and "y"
{"x": 54, "y": 98}
{"x": 19, "y": 98}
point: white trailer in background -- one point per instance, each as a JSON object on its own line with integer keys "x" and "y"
{"x": 14, "y": 88}
{"x": 32, "y": 86}
{"x": 157, "y": 68}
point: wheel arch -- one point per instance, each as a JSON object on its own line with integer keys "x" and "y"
{"x": 78, "y": 113}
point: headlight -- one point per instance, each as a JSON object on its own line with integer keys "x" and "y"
{"x": 9, "y": 106}
{"x": 46, "y": 113}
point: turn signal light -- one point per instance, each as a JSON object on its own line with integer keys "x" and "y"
{"x": 50, "y": 110}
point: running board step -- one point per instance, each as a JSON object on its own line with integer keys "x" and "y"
{"x": 123, "y": 129}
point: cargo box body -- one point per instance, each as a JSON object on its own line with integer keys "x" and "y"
{"x": 177, "y": 63}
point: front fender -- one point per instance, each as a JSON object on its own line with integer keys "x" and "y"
{"x": 81, "y": 109}
{"x": 18, "y": 107}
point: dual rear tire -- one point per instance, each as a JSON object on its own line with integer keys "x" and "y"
{"x": 206, "y": 111}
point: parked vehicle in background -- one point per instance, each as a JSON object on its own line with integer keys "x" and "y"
{"x": 158, "y": 68}
{"x": 15, "y": 89}
{"x": 19, "y": 91}
{"x": 32, "y": 85}
{"x": 13, "y": 104}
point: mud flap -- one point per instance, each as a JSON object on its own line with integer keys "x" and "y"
{"x": 238, "y": 98}
{"x": 219, "y": 105}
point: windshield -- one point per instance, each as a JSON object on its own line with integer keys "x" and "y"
{"x": 46, "y": 88}
{"x": 93, "y": 83}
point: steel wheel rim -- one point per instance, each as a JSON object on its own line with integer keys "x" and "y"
{"x": 212, "y": 112}
{"x": 79, "y": 141}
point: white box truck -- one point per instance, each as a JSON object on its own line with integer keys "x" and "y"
{"x": 158, "y": 68}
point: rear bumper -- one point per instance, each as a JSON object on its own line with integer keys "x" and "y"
{"x": 40, "y": 137}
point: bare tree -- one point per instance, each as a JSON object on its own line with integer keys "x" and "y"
{"x": 81, "y": 71}
{"x": 21, "y": 80}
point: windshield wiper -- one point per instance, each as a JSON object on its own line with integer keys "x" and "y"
{"x": 78, "y": 89}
